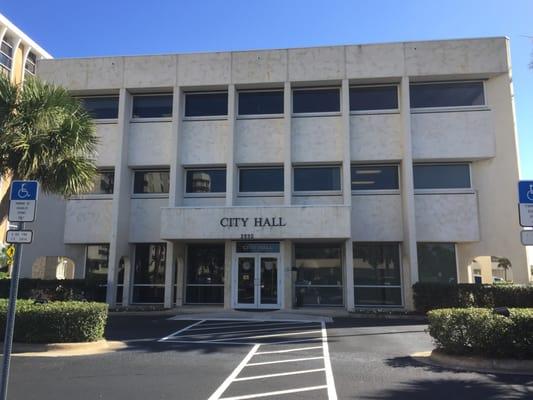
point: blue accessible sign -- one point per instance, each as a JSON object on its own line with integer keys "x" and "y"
{"x": 23, "y": 199}
{"x": 525, "y": 200}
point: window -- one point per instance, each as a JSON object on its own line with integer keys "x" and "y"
{"x": 96, "y": 264}
{"x": 101, "y": 107}
{"x": 441, "y": 176}
{"x": 149, "y": 273}
{"x": 377, "y": 276}
{"x": 152, "y": 106}
{"x": 6, "y": 54}
{"x": 319, "y": 274}
{"x": 370, "y": 98}
{"x": 447, "y": 94}
{"x": 103, "y": 182}
{"x": 374, "y": 177}
{"x": 206, "y": 181}
{"x": 155, "y": 181}
{"x": 206, "y": 104}
{"x": 261, "y": 179}
{"x": 31, "y": 61}
{"x": 315, "y": 100}
{"x": 436, "y": 262}
{"x": 261, "y": 103}
{"x": 310, "y": 179}
{"x": 205, "y": 274}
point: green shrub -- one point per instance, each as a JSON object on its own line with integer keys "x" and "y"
{"x": 430, "y": 296}
{"x": 56, "y": 322}
{"x": 481, "y": 331}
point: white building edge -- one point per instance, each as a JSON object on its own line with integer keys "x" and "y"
{"x": 322, "y": 230}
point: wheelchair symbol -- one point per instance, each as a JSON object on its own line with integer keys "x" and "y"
{"x": 529, "y": 193}
{"x": 24, "y": 194}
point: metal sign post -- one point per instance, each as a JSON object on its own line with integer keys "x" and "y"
{"x": 22, "y": 205}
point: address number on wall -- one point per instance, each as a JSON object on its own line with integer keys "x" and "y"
{"x": 247, "y": 236}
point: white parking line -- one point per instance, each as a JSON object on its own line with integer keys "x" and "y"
{"x": 304, "y": 371}
{"x": 276, "y": 393}
{"x": 211, "y": 327}
{"x": 289, "y": 350}
{"x": 332, "y": 393}
{"x": 285, "y": 361}
{"x": 246, "y": 331}
{"x": 180, "y": 331}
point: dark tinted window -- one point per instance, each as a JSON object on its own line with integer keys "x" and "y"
{"x": 373, "y": 98}
{"x": 96, "y": 262}
{"x": 317, "y": 178}
{"x": 149, "y": 273}
{"x": 101, "y": 107}
{"x": 206, "y": 104}
{"x": 205, "y": 273}
{"x": 206, "y": 181}
{"x": 155, "y": 106}
{"x": 104, "y": 182}
{"x": 436, "y": 262}
{"x": 319, "y": 274}
{"x": 256, "y": 103}
{"x": 447, "y": 94}
{"x": 376, "y": 263}
{"x": 315, "y": 100}
{"x": 261, "y": 180}
{"x": 151, "y": 182}
{"x": 441, "y": 176}
{"x": 374, "y": 177}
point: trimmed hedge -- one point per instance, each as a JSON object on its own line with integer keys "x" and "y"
{"x": 56, "y": 322}
{"x": 430, "y": 296}
{"x": 480, "y": 331}
{"x": 56, "y": 289}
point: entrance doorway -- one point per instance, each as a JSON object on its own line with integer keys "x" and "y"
{"x": 256, "y": 276}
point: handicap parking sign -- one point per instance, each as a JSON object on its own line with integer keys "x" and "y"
{"x": 24, "y": 190}
{"x": 23, "y": 199}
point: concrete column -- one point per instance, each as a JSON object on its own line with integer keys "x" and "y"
{"x": 175, "y": 196}
{"x": 170, "y": 262}
{"x": 231, "y": 170}
{"x": 409, "y": 250}
{"x": 180, "y": 255}
{"x": 126, "y": 285}
{"x": 228, "y": 278}
{"x": 286, "y": 263}
{"x": 346, "y": 156}
{"x": 348, "y": 275}
{"x": 13, "y": 61}
{"x": 118, "y": 243}
{"x": 287, "y": 152}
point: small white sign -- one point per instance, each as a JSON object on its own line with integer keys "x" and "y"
{"x": 526, "y": 237}
{"x": 526, "y": 214}
{"x": 19, "y": 236}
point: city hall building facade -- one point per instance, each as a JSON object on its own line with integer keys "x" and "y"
{"x": 275, "y": 179}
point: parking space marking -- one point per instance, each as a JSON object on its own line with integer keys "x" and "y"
{"x": 304, "y": 371}
{"x": 248, "y": 331}
{"x": 332, "y": 393}
{"x": 180, "y": 331}
{"x": 276, "y": 393}
{"x": 211, "y": 327}
{"x": 289, "y": 350}
{"x": 284, "y": 361}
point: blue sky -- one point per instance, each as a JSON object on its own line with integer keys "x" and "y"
{"x": 123, "y": 27}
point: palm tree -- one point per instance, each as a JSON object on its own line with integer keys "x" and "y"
{"x": 46, "y": 135}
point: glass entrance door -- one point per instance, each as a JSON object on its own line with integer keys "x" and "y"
{"x": 257, "y": 281}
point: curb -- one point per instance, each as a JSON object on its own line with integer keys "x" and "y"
{"x": 475, "y": 363}
{"x": 66, "y": 349}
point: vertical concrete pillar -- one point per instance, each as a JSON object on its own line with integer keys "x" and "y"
{"x": 118, "y": 243}
{"x": 231, "y": 170}
{"x": 409, "y": 250}
{"x": 175, "y": 197}
{"x": 228, "y": 278}
{"x": 287, "y": 148}
{"x": 287, "y": 295}
{"x": 349, "y": 301}
{"x": 180, "y": 256}
{"x": 346, "y": 156}
{"x": 170, "y": 262}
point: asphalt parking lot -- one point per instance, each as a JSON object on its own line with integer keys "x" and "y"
{"x": 216, "y": 360}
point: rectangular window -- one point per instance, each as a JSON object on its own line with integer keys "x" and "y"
{"x": 377, "y": 275}
{"x": 261, "y": 103}
{"x": 152, "y": 106}
{"x": 206, "y": 104}
{"x": 441, "y": 176}
{"x": 319, "y": 274}
{"x": 437, "y": 263}
{"x": 446, "y": 94}
{"x": 311, "y": 179}
{"x": 315, "y": 100}
{"x": 261, "y": 179}
{"x": 103, "y": 182}
{"x": 149, "y": 273}
{"x": 6, "y": 54}
{"x": 96, "y": 265}
{"x": 374, "y": 177}
{"x": 370, "y": 98}
{"x": 31, "y": 61}
{"x": 205, "y": 274}
{"x": 101, "y": 107}
{"x": 154, "y": 181}
{"x": 206, "y": 180}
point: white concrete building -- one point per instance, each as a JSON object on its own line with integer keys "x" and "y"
{"x": 331, "y": 176}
